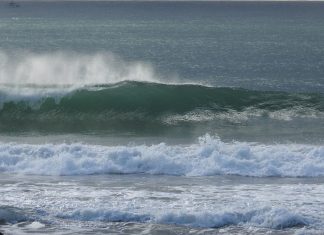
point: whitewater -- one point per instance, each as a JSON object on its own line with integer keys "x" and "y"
{"x": 161, "y": 118}
{"x": 210, "y": 156}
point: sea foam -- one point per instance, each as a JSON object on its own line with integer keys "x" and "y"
{"x": 209, "y": 156}
{"x": 274, "y": 218}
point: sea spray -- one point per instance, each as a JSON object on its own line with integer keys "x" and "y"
{"x": 70, "y": 68}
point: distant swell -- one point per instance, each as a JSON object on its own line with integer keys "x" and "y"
{"x": 143, "y": 102}
{"x": 210, "y": 156}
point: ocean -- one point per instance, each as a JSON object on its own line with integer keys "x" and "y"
{"x": 161, "y": 117}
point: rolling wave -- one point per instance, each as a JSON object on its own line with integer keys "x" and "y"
{"x": 69, "y": 91}
{"x": 274, "y": 218}
{"x": 266, "y": 217}
{"x": 157, "y": 98}
{"x": 143, "y": 102}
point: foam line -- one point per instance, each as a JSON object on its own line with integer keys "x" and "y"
{"x": 210, "y": 156}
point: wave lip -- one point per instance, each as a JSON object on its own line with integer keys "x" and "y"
{"x": 274, "y": 218}
{"x": 210, "y": 156}
{"x": 154, "y": 98}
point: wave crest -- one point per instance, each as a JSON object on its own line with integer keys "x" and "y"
{"x": 141, "y": 103}
{"x": 274, "y": 218}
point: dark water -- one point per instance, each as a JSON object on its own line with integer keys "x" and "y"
{"x": 255, "y": 45}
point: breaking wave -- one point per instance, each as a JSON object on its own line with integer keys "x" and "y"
{"x": 210, "y": 156}
{"x": 54, "y": 91}
{"x": 274, "y": 218}
{"x": 267, "y": 217}
{"x": 144, "y": 103}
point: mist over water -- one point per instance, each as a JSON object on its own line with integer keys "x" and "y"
{"x": 70, "y": 69}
